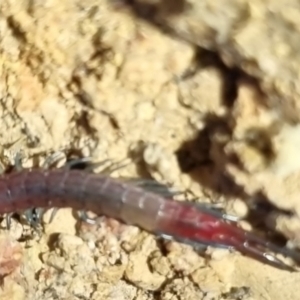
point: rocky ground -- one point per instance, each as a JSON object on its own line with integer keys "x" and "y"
{"x": 204, "y": 93}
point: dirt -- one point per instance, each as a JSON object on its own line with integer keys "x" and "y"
{"x": 203, "y": 94}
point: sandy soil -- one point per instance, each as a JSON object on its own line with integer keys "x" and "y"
{"x": 196, "y": 92}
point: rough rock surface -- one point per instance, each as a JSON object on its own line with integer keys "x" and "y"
{"x": 204, "y": 92}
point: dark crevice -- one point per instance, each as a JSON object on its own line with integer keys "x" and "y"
{"x": 195, "y": 158}
{"x": 205, "y": 160}
{"x": 156, "y": 14}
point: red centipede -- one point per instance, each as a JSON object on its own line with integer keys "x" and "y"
{"x": 133, "y": 204}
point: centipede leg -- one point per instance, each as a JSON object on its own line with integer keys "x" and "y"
{"x": 53, "y": 214}
{"x": 114, "y": 166}
{"x": 8, "y": 220}
{"x": 90, "y": 166}
{"x": 75, "y": 163}
{"x": 213, "y": 208}
{"x": 199, "y": 245}
{"x": 18, "y": 162}
{"x": 52, "y": 159}
{"x": 85, "y": 218}
{"x": 34, "y": 216}
{"x": 155, "y": 187}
